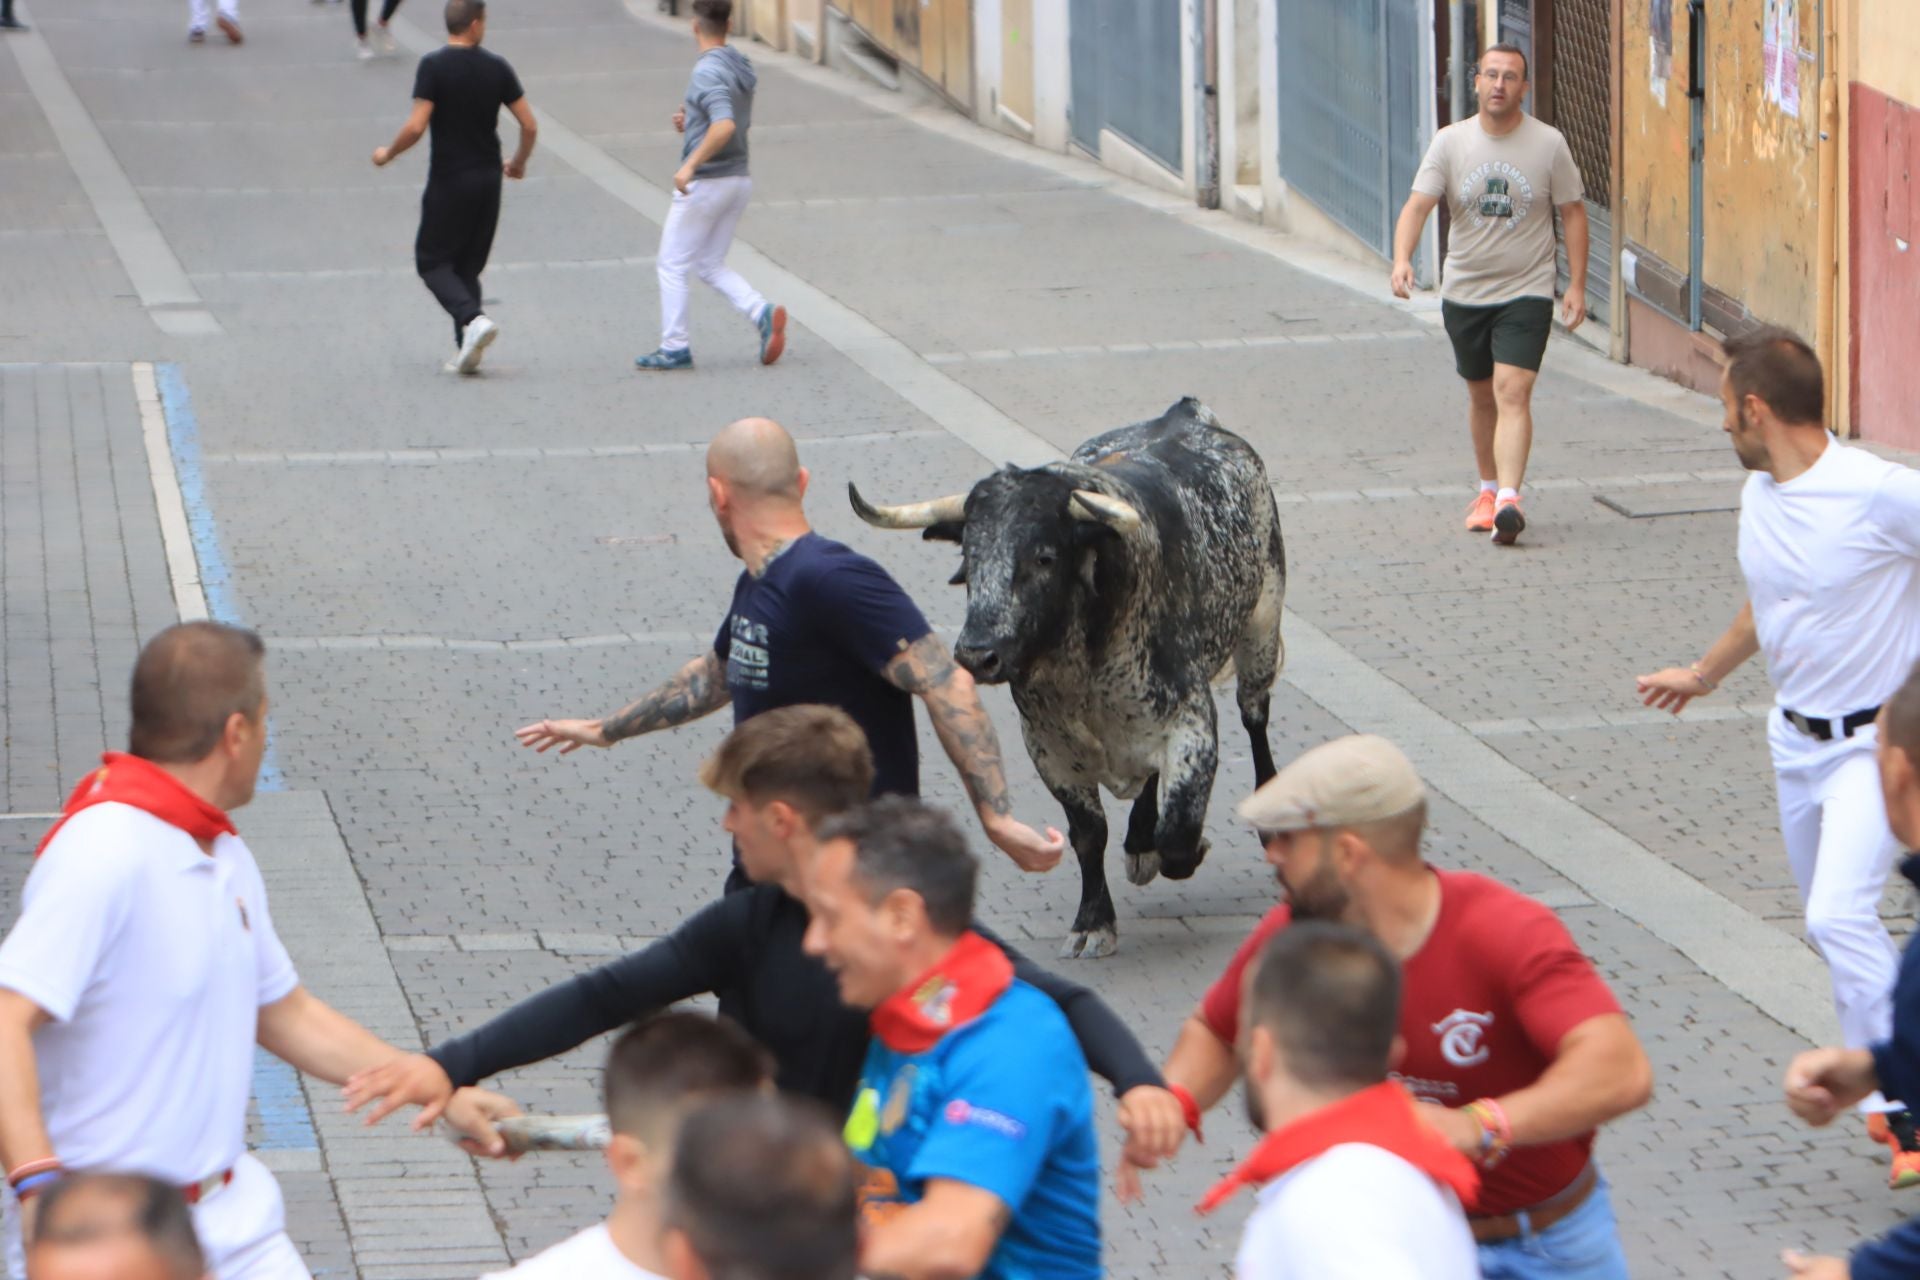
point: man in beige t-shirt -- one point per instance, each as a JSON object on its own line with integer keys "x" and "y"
{"x": 1503, "y": 173}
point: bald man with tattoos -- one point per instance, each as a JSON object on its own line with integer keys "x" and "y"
{"x": 813, "y": 621}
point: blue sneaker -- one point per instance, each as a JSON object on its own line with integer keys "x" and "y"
{"x": 665, "y": 359}
{"x": 773, "y": 333}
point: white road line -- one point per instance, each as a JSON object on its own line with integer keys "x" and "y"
{"x": 429, "y": 457}
{"x": 1631, "y": 718}
{"x": 1176, "y": 344}
{"x": 357, "y": 273}
{"x": 183, "y": 567}
{"x": 144, "y": 254}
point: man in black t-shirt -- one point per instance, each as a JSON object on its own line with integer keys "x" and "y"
{"x": 457, "y": 95}
{"x": 813, "y": 621}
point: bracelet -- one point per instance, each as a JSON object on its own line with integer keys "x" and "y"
{"x": 1190, "y": 1108}
{"x": 34, "y": 1183}
{"x": 1496, "y": 1131}
{"x": 1699, "y": 675}
{"x": 32, "y": 1167}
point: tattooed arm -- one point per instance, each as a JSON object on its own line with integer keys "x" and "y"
{"x": 949, "y": 1234}
{"x": 698, "y": 689}
{"x": 926, "y": 670}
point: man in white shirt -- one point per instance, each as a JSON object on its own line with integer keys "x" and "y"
{"x": 656, "y": 1072}
{"x": 144, "y": 968}
{"x": 1830, "y": 548}
{"x": 1356, "y": 1185}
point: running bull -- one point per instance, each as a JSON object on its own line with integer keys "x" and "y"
{"x": 1111, "y": 591}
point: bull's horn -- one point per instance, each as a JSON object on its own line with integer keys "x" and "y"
{"x": 1121, "y": 516}
{"x": 909, "y": 515}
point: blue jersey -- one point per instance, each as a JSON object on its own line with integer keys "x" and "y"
{"x": 1002, "y": 1104}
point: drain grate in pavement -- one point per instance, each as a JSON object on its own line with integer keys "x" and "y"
{"x": 1672, "y": 500}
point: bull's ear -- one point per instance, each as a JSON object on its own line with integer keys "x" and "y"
{"x": 959, "y": 578}
{"x": 945, "y": 531}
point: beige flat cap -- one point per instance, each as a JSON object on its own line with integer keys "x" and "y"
{"x": 1344, "y": 783}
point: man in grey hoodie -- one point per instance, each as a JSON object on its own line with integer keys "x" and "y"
{"x": 710, "y": 193}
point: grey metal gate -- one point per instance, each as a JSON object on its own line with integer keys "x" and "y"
{"x": 1351, "y": 89}
{"x": 1125, "y": 57}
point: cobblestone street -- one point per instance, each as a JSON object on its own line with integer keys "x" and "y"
{"x": 220, "y": 383}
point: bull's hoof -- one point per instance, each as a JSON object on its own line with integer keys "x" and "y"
{"x": 1142, "y": 868}
{"x": 1090, "y": 944}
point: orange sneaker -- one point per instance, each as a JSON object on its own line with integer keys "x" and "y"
{"x": 1480, "y": 514}
{"x": 1507, "y": 523}
{"x": 1895, "y": 1128}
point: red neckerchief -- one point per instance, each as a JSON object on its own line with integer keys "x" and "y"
{"x": 960, "y": 987}
{"x": 144, "y": 785}
{"x": 1381, "y": 1116}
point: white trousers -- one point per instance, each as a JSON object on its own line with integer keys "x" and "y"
{"x": 1834, "y": 821}
{"x": 696, "y": 237}
{"x": 242, "y": 1228}
{"x": 202, "y": 12}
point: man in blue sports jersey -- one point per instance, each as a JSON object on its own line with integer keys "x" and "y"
{"x": 973, "y": 1115}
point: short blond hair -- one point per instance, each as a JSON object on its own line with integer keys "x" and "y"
{"x": 813, "y": 757}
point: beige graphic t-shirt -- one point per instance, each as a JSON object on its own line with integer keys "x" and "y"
{"x": 1502, "y": 192}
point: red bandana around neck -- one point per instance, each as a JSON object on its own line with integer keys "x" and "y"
{"x": 144, "y": 785}
{"x": 1380, "y": 1116}
{"x": 961, "y": 986}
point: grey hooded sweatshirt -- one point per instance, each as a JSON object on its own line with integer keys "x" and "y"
{"x": 721, "y": 89}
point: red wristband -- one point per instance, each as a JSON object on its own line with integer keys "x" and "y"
{"x": 1190, "y": 1108}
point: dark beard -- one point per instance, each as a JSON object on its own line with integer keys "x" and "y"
{"x": 1321, "y": 898}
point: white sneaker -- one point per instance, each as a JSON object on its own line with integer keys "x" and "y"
{"x": 478, "y": 337}
{"x": 385, "y": 38}
{"x": 363, "y": 51}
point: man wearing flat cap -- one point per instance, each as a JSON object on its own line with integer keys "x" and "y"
{"x": 1513, "y": 1044}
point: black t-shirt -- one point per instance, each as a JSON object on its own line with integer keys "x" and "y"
{"x": 746, "y": 949}
{"x": 819, "y": 625}
{"x": 467, "y": 86}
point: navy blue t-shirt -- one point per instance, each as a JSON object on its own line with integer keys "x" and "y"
{"x": 819, "y": 626}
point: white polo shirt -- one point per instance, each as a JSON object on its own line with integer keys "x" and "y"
{"x": 153, "y": 960}
{"x": 1356, "y": 1212}
{"x": 1832, "y": 562}
{"x": 591, "y": 1255}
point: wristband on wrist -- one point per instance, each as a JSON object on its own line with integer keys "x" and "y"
{"x": 1701, "y": 676}
{"x": 34, "y": 1183}
{"x": 1496, "y": 1131}
{"x": 1190, "y": 1107}
{"x": 32, "y": 1167}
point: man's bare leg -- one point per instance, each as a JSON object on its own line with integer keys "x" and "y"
{"x": 1513, "y": 436}
{"x": 1483, "y": 416}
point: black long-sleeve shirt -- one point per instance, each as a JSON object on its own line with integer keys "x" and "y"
{"x": 745, "y": 948}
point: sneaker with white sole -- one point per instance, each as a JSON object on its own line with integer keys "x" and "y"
{"x": 362, "y": 50}
{"x": 663, "y": 360}
{"x": 384, "y": 38}
{"x": 479, "y": 335}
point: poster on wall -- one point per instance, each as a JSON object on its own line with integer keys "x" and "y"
{"x": 1660, "y": 22}
{"x": 1780, "y": 54}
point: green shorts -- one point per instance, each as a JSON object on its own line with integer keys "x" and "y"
{"x": 1512, "y": 333}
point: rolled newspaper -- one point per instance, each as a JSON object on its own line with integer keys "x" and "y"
{"x": 549, "y": 1133}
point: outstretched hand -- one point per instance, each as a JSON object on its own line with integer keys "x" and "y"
{"x": 1672, "y": 689}
{"x": 568, "y": 735}
{"x": 414, "y": 1079}
{"x": 1154, "y": 1124}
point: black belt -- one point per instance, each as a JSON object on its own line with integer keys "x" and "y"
{"x": 1825, "y": 730}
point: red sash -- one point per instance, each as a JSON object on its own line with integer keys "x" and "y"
{"x": 144, "y": 785}
{"x": 961, "y": 986}
{"x": 1381, "y": 1116}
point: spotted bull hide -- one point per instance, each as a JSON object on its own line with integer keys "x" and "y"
{"x": 1110, "y": 591}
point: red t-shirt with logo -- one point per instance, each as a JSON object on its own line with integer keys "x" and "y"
{"x": 1485, "y": 1003}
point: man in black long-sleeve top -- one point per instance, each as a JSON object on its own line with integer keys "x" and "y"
{"x": 783, "y": 772}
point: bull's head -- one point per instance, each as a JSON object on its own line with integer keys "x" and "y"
{"x": 1030, "y": 558}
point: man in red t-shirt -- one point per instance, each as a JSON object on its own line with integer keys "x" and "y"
{"x": 1512, "y": 1041}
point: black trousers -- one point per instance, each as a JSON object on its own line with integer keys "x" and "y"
{"x": 457, "y": 216}
{"x": 360, "y": 14}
